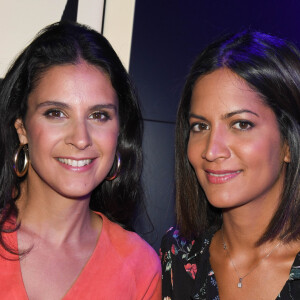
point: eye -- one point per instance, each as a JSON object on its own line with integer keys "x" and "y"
{"x": 198, "y": 127}
{"x": 54, "y": 113}
{"x": 100, "y": 116}
{"x": 243, "y": 125}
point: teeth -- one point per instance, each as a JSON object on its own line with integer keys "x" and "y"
{"x": 75, "y": 163}
{"x": 225, "y": 174}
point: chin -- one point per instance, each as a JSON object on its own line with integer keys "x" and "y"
{"x": 221, "y": 201}
{"x": 76, "y": 194}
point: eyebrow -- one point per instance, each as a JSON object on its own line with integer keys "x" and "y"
{"x": 241, "y": 111}
{"x": 66, "y": 106}
{"x": 197, "y": 117}
{"x": 226, "y": 116}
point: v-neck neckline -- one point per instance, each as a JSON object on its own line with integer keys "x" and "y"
{"x": 96, "y": 252}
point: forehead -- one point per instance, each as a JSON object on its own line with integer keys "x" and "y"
{"x": 74, "y": 82}
{"x": 224, "y": 90}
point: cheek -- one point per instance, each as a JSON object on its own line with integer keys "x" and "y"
{"x": 193, "y": 153}
{"x": 107, "y": 139}
{"x": 264, "y": 150}
{"x": 195, "y": 159}
{"x": 35, "y": 137}
{"x": 41, "y": 139}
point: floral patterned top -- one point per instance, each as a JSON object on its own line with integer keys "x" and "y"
{"x": 187, "y": 273}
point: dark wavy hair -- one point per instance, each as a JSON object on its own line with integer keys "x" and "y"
{"x": 61, "y": 44}
{"x": 271, "y": 67}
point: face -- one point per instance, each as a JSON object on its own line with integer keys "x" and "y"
{"x": 234, "y": 144}
{"x": 71, "y": 128}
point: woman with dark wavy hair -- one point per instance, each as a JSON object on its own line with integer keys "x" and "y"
{"x": 237, "y": 174}
{"x": 70, "y": 166}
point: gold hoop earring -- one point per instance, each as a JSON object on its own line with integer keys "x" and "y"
{"x": 21, "y": 173}
{"x": 117, "y": 172}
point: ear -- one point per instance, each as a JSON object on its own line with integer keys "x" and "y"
{"x": 287, "y": 153}
{"x": 21, "y": 131}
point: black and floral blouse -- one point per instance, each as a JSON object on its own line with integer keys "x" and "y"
{"x": 187, "y": 273}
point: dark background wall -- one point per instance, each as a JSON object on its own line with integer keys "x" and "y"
{"x": 167, "y": 36}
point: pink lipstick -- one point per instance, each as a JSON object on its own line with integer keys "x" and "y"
{"x": 217, "y": 177}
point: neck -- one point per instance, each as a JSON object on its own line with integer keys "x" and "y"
{"x": 52, "y": 216}
{"x": 244, "y": 226}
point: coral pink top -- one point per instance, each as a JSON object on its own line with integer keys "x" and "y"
{"x": 122, "y": 266}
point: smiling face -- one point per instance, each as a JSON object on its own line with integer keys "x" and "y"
{"x": 71, "y": 127}
{"x": 234, "y": 144}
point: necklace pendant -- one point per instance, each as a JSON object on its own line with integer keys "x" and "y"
{"x": 240, "y": 283}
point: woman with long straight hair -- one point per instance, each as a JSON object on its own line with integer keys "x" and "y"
{"x": 237, "y": 174}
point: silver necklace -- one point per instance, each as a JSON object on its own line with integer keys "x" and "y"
{"x": 240, "y": 284}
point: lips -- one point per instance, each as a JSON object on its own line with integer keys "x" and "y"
{"x": 222, "y": 176}
{"x": 75, "y": 163}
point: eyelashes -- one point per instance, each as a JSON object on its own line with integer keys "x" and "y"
{"x": 198, "y": 127}
{"x": 58, "y": 114}
{"x": 54, "y": 113}
{"x": 100, "y": 116}
{"x": 240, "y": 125}
{"x": 243, "y": 125}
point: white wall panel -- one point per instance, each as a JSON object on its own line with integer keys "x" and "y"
{"x": 20, "y": 21}
{"x": 118, "y": 26}
{"x": 90, "y": 12}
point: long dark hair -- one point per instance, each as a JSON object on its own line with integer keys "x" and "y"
{"x": 60, "y": 44}
{"x": 271, "y": 67}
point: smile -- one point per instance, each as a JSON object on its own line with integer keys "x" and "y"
{"x": 223, "y": 174}
{"x": 75, "y": 163}
{"x": 217, "y": 177}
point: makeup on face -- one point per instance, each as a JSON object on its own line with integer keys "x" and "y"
{"x": 234, "y": 144}
{"x": 71, "y": 128}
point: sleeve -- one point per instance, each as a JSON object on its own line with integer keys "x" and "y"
{"x": 154, "y": 290}
{"x": 148, "y": 274}
{"x": 166, "y": 264}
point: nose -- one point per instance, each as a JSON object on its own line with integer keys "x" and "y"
{"x": 217, "y": 145}
{"x": 79, "y": 135}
